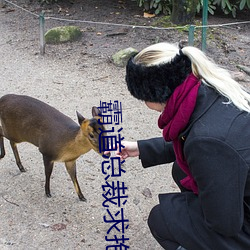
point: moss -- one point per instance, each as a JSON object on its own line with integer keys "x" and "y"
{"x": 163, "y": 22}
{"x": 63, "y": 34}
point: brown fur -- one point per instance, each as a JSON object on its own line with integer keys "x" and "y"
{"x": 59, "y": 138}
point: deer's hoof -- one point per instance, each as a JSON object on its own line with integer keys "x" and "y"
{"x": 82, "y": 198}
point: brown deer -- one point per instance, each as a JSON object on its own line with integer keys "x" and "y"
{"x": 59, "y": 138}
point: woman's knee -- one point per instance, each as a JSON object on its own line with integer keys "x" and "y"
{"x": 157, "y": 224}
{"x": 159, "y": 229}
{"x": 154, "y": 217}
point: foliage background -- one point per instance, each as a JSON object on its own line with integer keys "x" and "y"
{"x": 164, "y": 6}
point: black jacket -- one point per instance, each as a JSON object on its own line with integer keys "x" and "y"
{"x": 216, "y": 145}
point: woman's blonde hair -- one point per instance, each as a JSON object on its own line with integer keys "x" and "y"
{"x": 202, "y": 67}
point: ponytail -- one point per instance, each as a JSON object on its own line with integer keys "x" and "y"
{"x": 218, "y": 78}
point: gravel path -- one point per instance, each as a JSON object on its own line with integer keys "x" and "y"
{"x": 70, "y": 80}
{"x": 72, "y": 77}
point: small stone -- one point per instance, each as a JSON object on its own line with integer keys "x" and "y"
{"x": 239, "y": 76}
{"x": 58, "y": 227}
{"x": 146, "y": 192}
{"x": 44, "y": 225}
{"x": 62, "y": 34}
{"x": 121, "y": 58}
{"x": 2, "y": 3}
{"x": 136, "y": 201}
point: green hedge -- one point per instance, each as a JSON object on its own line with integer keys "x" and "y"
{"x": 227, "y": 6}
{"x": 165, "y": 6}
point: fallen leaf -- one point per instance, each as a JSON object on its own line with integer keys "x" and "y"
{"x": 146, "y": 192}
{"x": 147, "y": 15}
{"x": 58, "y": 227}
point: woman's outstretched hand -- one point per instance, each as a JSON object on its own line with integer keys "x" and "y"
{"x": 130, "y": 149}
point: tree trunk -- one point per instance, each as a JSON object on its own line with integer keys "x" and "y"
{"x": 183, "y": 11}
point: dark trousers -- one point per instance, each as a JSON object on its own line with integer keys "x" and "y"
{"x": 179, "y": 221}
{"x": 156, "y": 223}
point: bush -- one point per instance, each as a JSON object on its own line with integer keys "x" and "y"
{"x": 156, "y": 6}
{"x": 47, "y": 1}
{"x": 165, "y": 6}
{"x": 232, "y": 6}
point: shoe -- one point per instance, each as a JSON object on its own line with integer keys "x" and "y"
{"x": 181, "y": 248}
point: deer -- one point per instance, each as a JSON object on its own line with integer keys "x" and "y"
{"x": 58, "y": 138}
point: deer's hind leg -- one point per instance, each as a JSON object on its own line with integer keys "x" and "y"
{"x": 1, "y": 144}
{"x": 48, "y": 164}
{"x": 71, "y": 168}
{"x": 15, "y": 151}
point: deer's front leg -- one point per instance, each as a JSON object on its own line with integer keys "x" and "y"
{"x": 71, "y": 168}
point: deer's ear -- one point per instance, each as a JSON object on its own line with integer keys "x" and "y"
{"x": 96, "y": 111}
{"x": 80, "y": 118}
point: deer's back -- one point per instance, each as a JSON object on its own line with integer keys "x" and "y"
{"x": 24, "y": 118}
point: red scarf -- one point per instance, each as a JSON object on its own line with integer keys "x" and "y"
{"x": 174, "y": 119}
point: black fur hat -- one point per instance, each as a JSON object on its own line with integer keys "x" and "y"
{"x": 156, "y": 83}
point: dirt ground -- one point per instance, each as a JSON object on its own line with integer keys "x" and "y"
{"x": 77, "y": 76}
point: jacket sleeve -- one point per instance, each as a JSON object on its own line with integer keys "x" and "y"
{"x": 155, "y": 151}
{"x": 220, "y": 173}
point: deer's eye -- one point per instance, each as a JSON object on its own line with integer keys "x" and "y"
{"x": 91, "y": 136}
